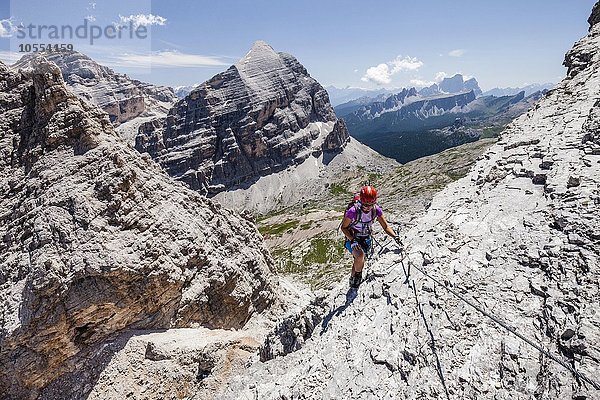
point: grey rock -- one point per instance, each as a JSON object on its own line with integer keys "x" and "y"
{"x": 539, "y": 179}
{"x": 96, "y": 240}
{"x": 258, "y": 117}
{"x": 337, "y": 138}
{"x": 595, "y": 16}
{"x": 544, "y": 286}
{"x": 591, "y": 127}
{"x": 122, "y": 98}
{"x": 454, "y": 84}
{"x": 581, "y": 55}
{"x": 573, "y": 181}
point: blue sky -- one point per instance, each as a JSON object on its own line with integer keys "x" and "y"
{"x": 343, "y": 43}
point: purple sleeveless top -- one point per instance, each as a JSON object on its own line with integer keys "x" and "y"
{"x": 363, "y": 227}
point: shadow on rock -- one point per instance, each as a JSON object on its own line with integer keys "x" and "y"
{"x": 350, "y": 296}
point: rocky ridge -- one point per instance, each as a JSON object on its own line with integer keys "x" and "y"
{"x": 262, "y": 115}
{"x": 98, "y": 242}
{"x": 518, "y": 236}
{"x": 128, "y": 102}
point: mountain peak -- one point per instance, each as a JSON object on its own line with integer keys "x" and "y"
{"x": 283, "y": 113}
{"x": 261, "y": 44}
{"x": 260, "y": 51}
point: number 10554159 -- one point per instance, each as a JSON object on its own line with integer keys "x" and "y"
{"x": 33, "y": 47}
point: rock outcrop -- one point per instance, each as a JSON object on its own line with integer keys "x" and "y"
{"x": 97, "y": 241}
{"x": 337, "y": 138}
{"x": 258, "y": 117}
{"x": 122, "y": 98}
{"x": 595, "y": 17}
{"x": 518, "y": 238}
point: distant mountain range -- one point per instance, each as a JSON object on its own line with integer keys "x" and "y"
{"x": 412, "y": 124}
{"x": 339, "y": 96}
{"x": 343, "y": 95}
{"x": 529, "y": 89}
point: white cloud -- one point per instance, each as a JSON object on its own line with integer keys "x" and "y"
{"x": 7, "y": 27}
{"x": 440, "y": 76}
{"x": 421, "y": 82}
{"x": 457, "y": 53}
{"x": 141, "y": 20}
{"x": 382, "y": 74}
{"x": 165, "y": 59}
{"x": 91, "y": 18}
{"x": 405, "y": 64}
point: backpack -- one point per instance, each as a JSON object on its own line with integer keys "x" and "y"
{"x": 355, "y": 202}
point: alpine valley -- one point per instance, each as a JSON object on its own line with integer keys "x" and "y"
{"x": 411, "y": 124}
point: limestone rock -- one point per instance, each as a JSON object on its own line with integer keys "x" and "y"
{"x": 337, "y": 138}
{"x": 178, "y": 363}
{"x": 595, "y": 17}
{"x": 528, "y": 254}
{"x": 122, "y": 98}
{"x": 96, "y": 240}
{"x": 258, "y": 117}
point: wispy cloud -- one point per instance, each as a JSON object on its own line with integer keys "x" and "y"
{"x": 141, "y": 20}
{"x": 164, "y": 59}
{"x": 7, "y": 27}
{"x": 382, "y": 74}
{"x": 171, "y": 44}
{"x": 457, "y": 53}
{"x": 91, "y": 8}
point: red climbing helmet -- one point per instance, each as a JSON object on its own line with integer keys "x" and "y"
{"x": 368, "y": 195}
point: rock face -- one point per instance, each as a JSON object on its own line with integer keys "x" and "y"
{"x": 258, "y": 117}
{"x": 595, "y": 17}
{"x": 124, "y": 99}
{"x": 337, "y": 138}
{"x": 518, "y": 237}
{"x": 96, "y": 240}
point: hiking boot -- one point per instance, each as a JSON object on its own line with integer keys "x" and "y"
{"x": 356, "y": 280}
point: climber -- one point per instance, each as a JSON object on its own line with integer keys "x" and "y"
{"x": 356, "y": 226}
